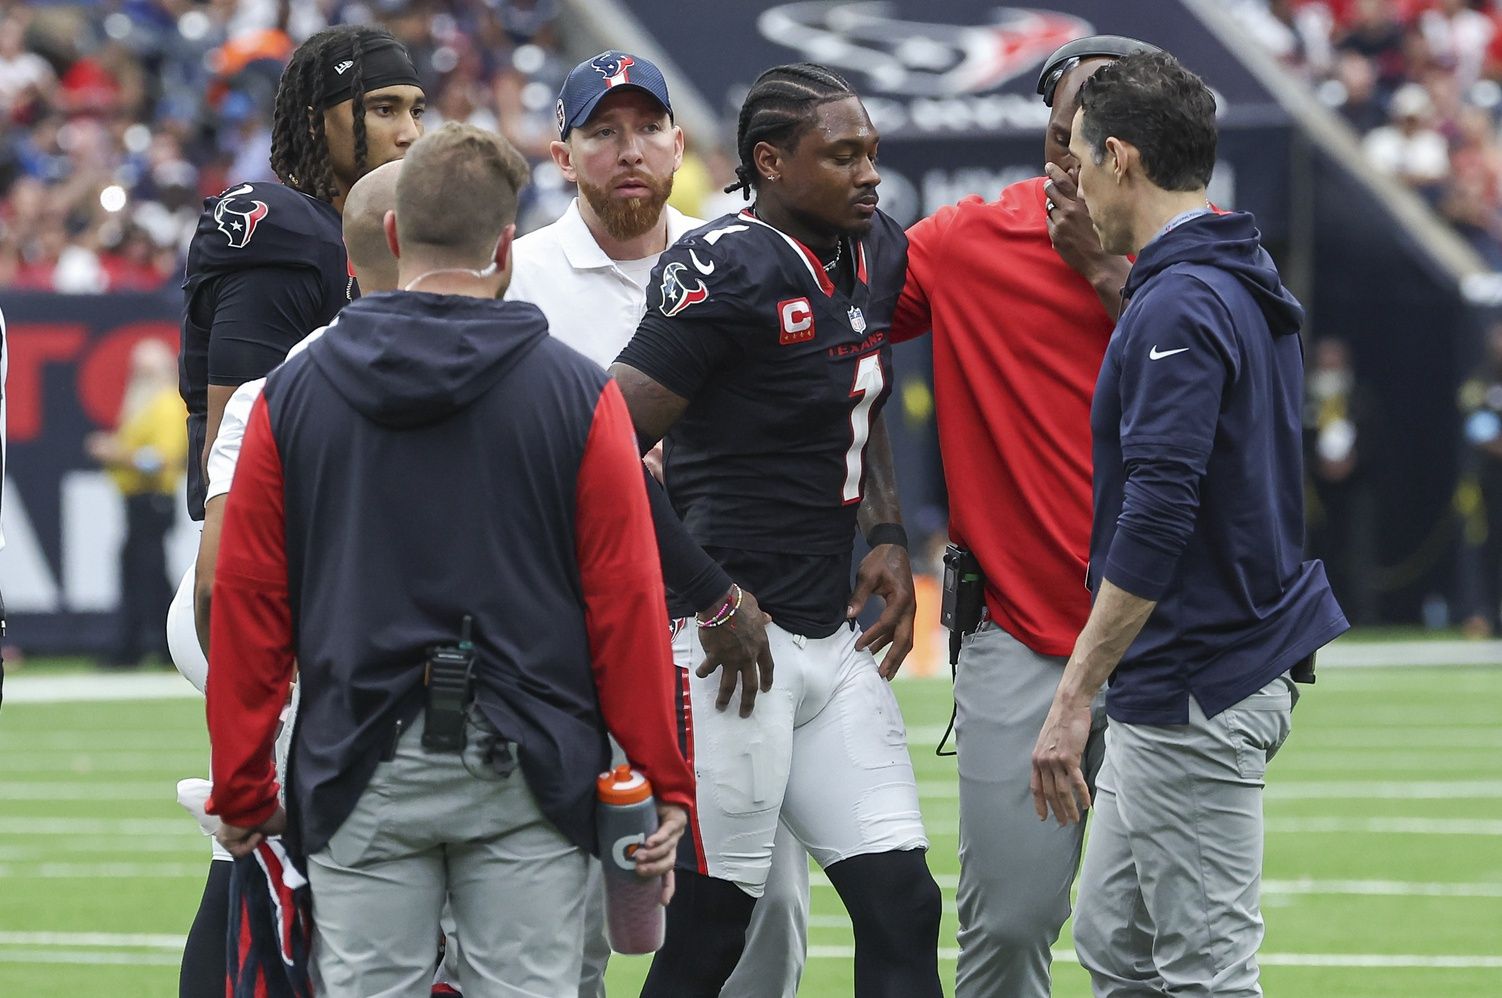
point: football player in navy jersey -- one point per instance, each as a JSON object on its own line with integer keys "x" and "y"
{"x": 763, "y": 361}
{"x": 267, "y": 263}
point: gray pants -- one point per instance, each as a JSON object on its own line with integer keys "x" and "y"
{"x": 433, "y": 826}
{"x": 1015, "y": 871}
{"x": 1169, "y": 896}
{"x": 777, "y": 939}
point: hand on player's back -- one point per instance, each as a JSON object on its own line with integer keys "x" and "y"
{"x": 739, "y": 649}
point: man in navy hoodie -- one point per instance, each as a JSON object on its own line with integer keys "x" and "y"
{"x": 1203, "y": 608}
{"x": 437, "y": 456}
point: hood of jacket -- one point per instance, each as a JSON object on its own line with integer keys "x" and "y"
{"x": 405, "y": 359}
{"x": 1229, "y": 242}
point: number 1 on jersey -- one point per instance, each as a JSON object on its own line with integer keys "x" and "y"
{"x": 869, "y": 382}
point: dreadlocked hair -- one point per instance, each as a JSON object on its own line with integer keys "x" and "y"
{"x": 299, "y": 147}
{"x": 777, "y": 109}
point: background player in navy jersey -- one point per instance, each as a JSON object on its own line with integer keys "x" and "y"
{"x": 267, "y": 264}
{"x": 763, "y": 360}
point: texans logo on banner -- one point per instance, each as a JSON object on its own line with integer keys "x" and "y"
{"x": 918, "y": 58}
{"x": 676, "y": 295}
{"x": 237, "y": 217}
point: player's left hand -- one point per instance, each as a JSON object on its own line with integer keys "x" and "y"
{"x": 886, "y": 572}
{"x": 241, "y": 841}
{"x": 1058, "y": 780}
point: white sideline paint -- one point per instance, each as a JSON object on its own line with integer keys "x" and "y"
{"x": 1387, "y": 826}
{"x": 46, "y": 790}
{"x": 1290, "y": 789}
{"x": 98, "y": 686}
{"x": 101, "y": 828}
{"x": 94, "y": 957}
{"x": 163, "y": 950}
{"x": 101, "y": 871}
{"x": 118, "y": 940}
{"x": 1342, "y": 654}
{"x": 1307, "y": 886}
{"x": 1403, "y": 654}
{"x": 1354, "y": 960}
{"x": 1344, "y": 826}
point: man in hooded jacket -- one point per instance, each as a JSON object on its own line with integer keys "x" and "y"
{"x": 1204, "y": 612}
{"x": 435, "y": 458}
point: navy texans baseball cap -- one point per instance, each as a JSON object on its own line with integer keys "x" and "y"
{"x": 593, "y": 78}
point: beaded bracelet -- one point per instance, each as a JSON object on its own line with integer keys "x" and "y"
{"x": 727, "y": 609}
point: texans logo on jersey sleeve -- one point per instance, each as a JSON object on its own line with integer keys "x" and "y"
{"x": 238, "y": 217}
{"x": 676, "y": 294}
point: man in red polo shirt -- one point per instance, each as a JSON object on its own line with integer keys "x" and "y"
{"x": 1021, "y": 300}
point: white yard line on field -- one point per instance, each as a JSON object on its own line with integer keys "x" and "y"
{"x": 1284, "y": 788}
{"x": 1343, "y": 826}
{"x": 98, "y": 686}
{"x": 115, "y": 940}
{"x": 1387, "y": 826}
{"x": 162, "y": 950}
{"x": 1308, "y": 886}
{"x": 41, "y": 790}
{"x": 101, "y": 871}
{"x": 109, "y": 958}
{"x": 100, "y": 827}
{"x": 1352, "y": 960}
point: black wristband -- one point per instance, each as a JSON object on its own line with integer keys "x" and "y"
{"x": 887, "y": 533}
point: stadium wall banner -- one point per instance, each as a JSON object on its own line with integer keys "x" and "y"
{"x": 952, "y": 86}
{"x": 63, "y": 519}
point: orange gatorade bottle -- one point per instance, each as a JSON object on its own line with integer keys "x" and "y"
{"x": 635, "y": 920}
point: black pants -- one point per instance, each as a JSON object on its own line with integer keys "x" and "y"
{"x": 145, "y": 590}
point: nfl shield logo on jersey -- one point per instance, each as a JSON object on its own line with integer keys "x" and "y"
{"x": 857, "y": 319}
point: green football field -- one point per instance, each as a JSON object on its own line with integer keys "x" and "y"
{"x": 1384, "y": 857}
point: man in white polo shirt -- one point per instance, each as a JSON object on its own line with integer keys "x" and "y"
{"x": 588, "y": 274}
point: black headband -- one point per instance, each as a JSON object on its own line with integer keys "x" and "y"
{"x": 383, "y": 63}
{"x": 1067, "y": 56}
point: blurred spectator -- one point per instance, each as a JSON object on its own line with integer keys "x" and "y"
{"x": 1481, "y": 494}
{"x": 26, "y": 79}
{"x": 1340, "y": 514}
{"x": 1376, "y": 32}
{"x": 145, "y": 458}
{"x": 1353, "y": 91}
{"x": 1409, "y": 148}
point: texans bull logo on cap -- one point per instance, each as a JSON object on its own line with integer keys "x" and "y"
{"x": 614, "y": 66}
{"x": 238, "y": 217}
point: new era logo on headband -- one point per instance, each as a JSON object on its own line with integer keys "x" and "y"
{"x": 342, "y": 67}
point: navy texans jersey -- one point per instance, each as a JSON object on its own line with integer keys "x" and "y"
{"x": 784, "y": 373}
{"x": 266, "y": 267}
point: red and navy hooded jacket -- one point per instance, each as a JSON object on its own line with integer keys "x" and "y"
{"x": 1198, "y": 475}
{"x": 430, "y": 457}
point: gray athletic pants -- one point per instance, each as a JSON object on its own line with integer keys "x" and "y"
{"x": 436, "y": 825}
{"x": 1169, "y": 895}
{"x": 1015, "y": 871}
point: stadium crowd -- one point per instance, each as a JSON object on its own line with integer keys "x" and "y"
{"x": 1420, "y": 80}
{"x": 117, "y": 119}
